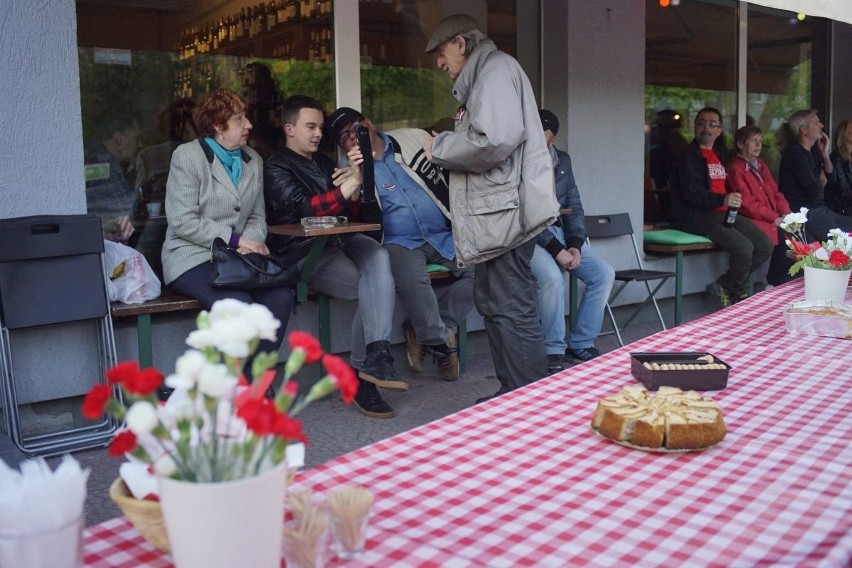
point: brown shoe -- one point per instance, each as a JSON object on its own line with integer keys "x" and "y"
{"x": 413, "y": 350}
{"x": 448, "y": 362}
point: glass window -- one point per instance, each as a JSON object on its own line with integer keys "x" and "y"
{"x": 144, "y": 63}
{"x": 690, "y": 63}
{"x": 779, "y": 75}
{"x": 400, "y": 85}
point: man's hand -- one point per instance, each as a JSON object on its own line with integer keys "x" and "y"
{"x": 568, "y": 259}
{"x": 248, "y": 245}
{"x": 427, "y": 147}
{"x": 349, "y": 179}
{"x": 734, "y": 199}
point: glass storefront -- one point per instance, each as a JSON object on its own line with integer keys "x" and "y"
{"x": 692, "y": 61}
{"x": 143, "y": 63}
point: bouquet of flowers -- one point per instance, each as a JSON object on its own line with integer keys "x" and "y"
{"x": 215, "y": 427}
{"x": 832, "y": 254}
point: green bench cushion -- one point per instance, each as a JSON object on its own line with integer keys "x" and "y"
{"x": 674, "y": 237}
{"x": 436, "y": 268}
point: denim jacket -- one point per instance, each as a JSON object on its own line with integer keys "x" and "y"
{"x": 573, "y": 225}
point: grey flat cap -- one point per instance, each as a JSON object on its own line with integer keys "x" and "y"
{"x": 450, "y": 27}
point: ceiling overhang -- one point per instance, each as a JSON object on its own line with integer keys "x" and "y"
{"x": 840, "y": 10}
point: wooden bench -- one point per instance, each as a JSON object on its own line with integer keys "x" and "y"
{"x": 168, "y": 302}
{"x": 678, "y": 251}
{"x": 171, "y": 302}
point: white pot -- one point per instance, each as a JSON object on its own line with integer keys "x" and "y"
{"x": 822, "y": 284}
{"x": 222, "y": 525}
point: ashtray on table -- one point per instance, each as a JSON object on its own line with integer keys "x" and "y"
{"x": 325, "y": 222}
{"x": 687, "y": 370}
{"x": 823, "y": 318}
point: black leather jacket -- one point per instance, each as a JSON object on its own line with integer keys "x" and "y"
{"x": 289, "y": 182}
{"x": 838, "y": 190}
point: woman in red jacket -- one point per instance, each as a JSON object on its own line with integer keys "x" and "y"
{"x": 762, "y": 203}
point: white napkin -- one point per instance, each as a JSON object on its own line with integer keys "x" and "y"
{"x": 38, "y": 499}
{"x": 41, "y": 514}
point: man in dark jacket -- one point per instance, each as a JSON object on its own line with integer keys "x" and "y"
{"x": 805, "y": 171}
{"x": 299, "y": 183}
{"x": 558, "y": 251}
{"x": 700, "y": 202}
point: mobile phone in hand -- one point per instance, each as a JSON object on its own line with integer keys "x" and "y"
{"x": 368, "y": 187}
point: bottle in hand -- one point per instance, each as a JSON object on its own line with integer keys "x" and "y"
{"x": 730, "y": 216}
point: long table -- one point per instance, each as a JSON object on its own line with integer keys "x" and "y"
{"x": 521, "y": 480}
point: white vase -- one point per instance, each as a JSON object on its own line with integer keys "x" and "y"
{"x": 824, "y": 285}
{"x": 222, "y": 525}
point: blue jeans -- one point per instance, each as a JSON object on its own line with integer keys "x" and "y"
{"x": 596, "y": 274}
{"x": 358, "y": 268}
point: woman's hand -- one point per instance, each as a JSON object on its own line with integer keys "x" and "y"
{"x": 247, "y": 245}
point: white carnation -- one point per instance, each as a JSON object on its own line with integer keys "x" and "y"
{"x": 214, "y": 381}
{"x": 165, "y": 466}
{"x": 141, "y": 417}
{"x": 266, "y": 326}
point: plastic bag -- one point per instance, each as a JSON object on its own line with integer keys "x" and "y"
{"x": 130, "y": 278}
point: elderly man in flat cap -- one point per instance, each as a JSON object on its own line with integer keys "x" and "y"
{"x": 497, "y": 206}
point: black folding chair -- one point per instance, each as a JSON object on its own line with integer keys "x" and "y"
{"x": 619, "y": 226}
{"x": 51, "y": 274}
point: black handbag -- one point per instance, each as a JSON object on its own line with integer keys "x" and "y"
{"x": 248, "y": 271}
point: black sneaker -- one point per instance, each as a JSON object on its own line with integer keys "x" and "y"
{"x": 581, "y": 355}
{"x": 554, "y": 363}
{"x": 370, "y": 403}
{"x": 413, "y": 351}
{"x": 721, "y": 296}
{"x": 378, "y": 367}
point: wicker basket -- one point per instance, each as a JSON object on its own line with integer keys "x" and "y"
{"x": 146, "y": 516}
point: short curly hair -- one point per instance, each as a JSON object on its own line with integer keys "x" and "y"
{"x": 215, "y": 109}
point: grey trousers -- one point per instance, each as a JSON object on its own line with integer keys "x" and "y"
{"x": 748, "y": 246}
{"x": 359, "y": 269}
{"x": 505, "y": 295}
{"x": 431, "y": 310}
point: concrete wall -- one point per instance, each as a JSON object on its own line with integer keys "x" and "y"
{"x": 41, "y": 166}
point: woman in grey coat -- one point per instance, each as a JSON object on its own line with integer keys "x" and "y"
{"x": 215, "y": 189}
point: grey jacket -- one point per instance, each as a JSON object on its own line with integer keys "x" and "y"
{"x": 501, "y": 173}
{"x": 202, "y": 204}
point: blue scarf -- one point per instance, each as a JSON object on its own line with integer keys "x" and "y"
{"x": 231, "y": 159}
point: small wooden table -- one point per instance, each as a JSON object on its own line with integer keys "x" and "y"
{"x": 321, "y": 234}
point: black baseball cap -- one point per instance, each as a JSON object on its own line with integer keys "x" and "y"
{"x": 548, "y": 120}
{"x": 340, "y": 119}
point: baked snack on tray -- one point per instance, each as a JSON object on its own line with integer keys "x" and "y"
{"x": 671, "y": 420}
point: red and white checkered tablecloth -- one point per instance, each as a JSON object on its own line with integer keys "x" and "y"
{"x": 523, "y": 481}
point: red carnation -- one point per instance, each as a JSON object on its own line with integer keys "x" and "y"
{"x": 290, "y": 429}
{"x": 259, "y": 415}
{"x": 307, "y": 343}
{"x": 95, "y": 401}
{"x": 121, "y": 372}
{"x": 343, "y": 376}
{"x": 143, "y": 382}
{"x": 801, "y": 249}
{"x": 123, "y": 442}
{"x": 838, "y": 258}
